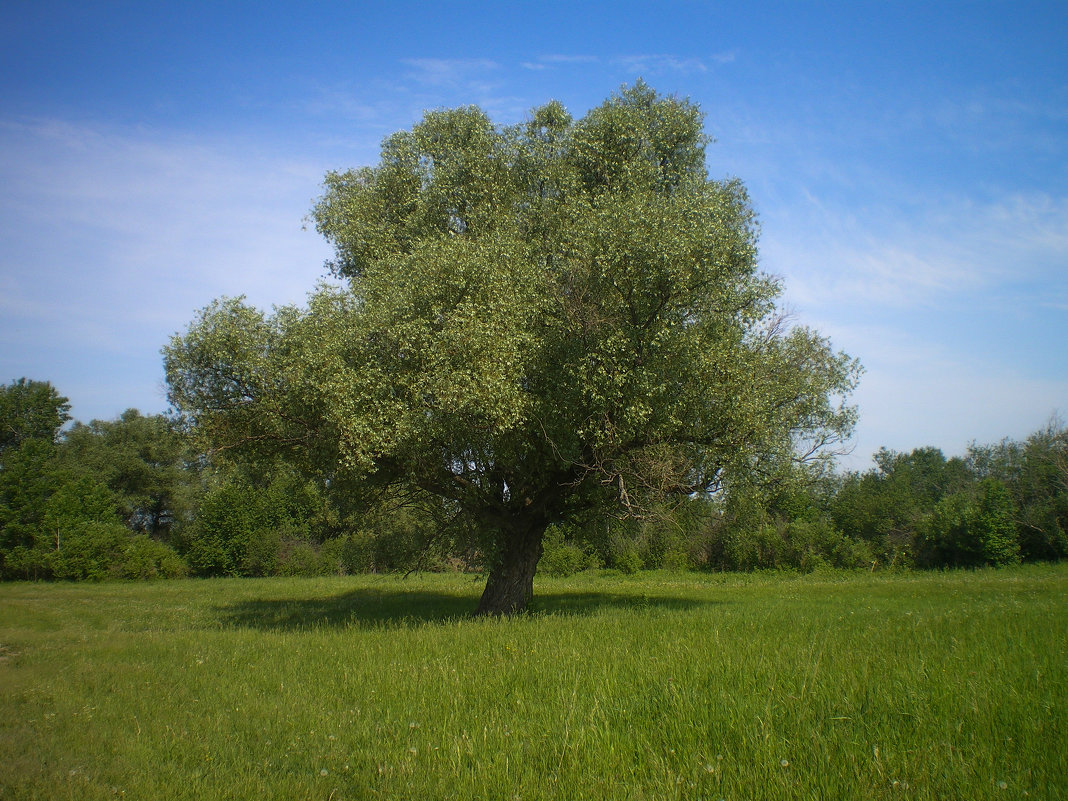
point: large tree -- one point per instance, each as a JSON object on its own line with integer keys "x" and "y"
{"x": 537, "y": 318}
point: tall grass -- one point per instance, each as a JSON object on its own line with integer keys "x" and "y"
{"x": 672, "y": 686}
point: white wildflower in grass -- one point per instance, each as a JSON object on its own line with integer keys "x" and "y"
{"x": 785, "y": 763}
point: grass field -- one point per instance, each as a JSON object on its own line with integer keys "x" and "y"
{"x": 672, "y": 686}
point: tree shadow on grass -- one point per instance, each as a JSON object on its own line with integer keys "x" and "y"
{"x": 381, "y": 607}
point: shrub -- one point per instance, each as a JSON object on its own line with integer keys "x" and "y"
{"x": 89, "y": 550}
{"x": 349, "y": 554}
{"x": 965, "y": 530}
{"x": 627, "y": 558}
{"x": 560, "y": 556}
{"x": 146, "y": 558}
{"x": 300, "y": 558}
{"x": 676, "y": 559}
{"x": 80, "y": 532}
{"x": 241, "y": 527}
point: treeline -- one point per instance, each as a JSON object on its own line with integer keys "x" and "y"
{"x": 135, "y": 498}
{"x": 999, "y": 504}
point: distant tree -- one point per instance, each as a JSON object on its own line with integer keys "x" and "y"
{"x": 885, "y": 506}
{"x": 553, "y": 315}
{"x": 63, "y": 498}
{"x": 144, "y": 460}
{"x": 1036, "y": 474}
{"x": 971, "y": 528}
{"x": 245, "y": 519}
{"x": 31, "y": 416}
{"x": 923, "y": 476}
{"x": 28, "y": 477}
{"x": 1041, "y": 494}
{"x": 80, "y": 534}
{"x": 30, "y": 410}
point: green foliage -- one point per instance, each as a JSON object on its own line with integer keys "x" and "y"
{"x": 626, "y": 557}
{"x": 967, "y": 529}
{"x": 562, "y": 555}
{"x": 146, "y": 558}
{"x": 249, "y": 528}
{"x": 80, "y": 535}
{"x": 1036, "y": 474}
{"x": 65, "y": 525}
{"x": 407, "y": 537}
{"x": 30, "y": 410}
{"x": 28, "y": 476}
{"x": 778, "y": 519}
{"x": 891, "y": 506}
{"x": 31, "y": 414}
{"x": 805, "y": 544}
{"x": 536, "y": 314}
{"x": 62, "y": 504}
{"x": 300, "y": 558}
{"x": 147, "y": 464}
{"x": 349, "y": 554}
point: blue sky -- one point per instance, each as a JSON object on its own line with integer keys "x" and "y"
{"x": 909, "y": 163}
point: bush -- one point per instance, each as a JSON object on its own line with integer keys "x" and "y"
{"x": 145, "y": 558}
{"x": 241, "y": 528}
{"x": 561, "y": 557}
{"x": 773, "y": 543}
{"x": 80, "y": 534}
{"x": 663, "y": 541}
{"x": 300, "y": 558}
{"x": 349, "y": 554}
{"x": 627, "y": 558}
{"x": 90, "y": 550}
{"x": 967, "y": 531}
{"x": 676, "y": 559}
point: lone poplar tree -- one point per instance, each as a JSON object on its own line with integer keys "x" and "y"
{"x": 536, "y": 318}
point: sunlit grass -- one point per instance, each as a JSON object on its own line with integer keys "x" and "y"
{"x": 654, "y": 686}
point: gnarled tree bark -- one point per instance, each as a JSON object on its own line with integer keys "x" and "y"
{"x": 510, "y": 586}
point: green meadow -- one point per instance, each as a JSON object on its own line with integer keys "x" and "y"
{"x": 653, "y": 686}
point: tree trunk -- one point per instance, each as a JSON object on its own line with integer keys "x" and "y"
{"x": 511, "y": 581}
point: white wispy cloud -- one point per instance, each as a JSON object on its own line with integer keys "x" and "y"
{"x": 557, "y": 59}
{"x": 343, "y": 100}
{"x": 111, "y": 238}
{"x": 449, "y": 72}
{"x": 658, "y": 64}
{"x": 441, "y": 82}
{"x": 918, "y": 256}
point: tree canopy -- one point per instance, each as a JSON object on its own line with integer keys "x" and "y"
{"x": 536, "y": 318}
